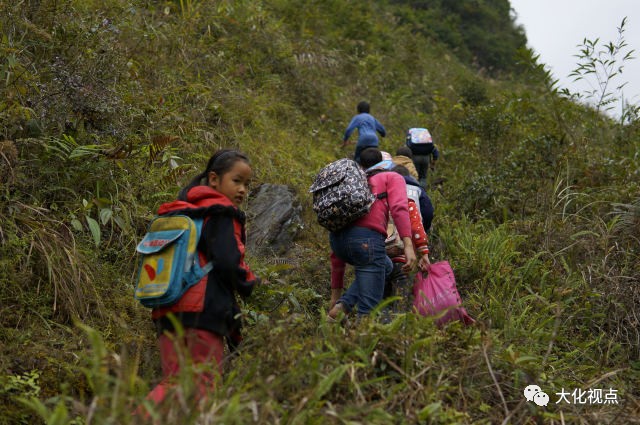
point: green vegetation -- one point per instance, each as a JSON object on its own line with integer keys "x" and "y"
{"x": 602, "y": 66}
{"x": 478, "y": 32}
{"x": 106, "y": 109}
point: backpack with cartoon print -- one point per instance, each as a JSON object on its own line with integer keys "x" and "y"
{"x": 420, "y": 142}
{"x": 341, "y": 194}
{"x": 169, "y": 263}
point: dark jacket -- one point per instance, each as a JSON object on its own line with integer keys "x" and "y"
{"x": 211, "y": 304}
{"x": 426, "y": 207}
{"x": 425, "y": 149}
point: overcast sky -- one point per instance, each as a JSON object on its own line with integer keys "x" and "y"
{"x": 555, "y": 28}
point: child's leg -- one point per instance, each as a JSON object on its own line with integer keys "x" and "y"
{"x": 371, "y": 276}
{"x": 203, "y": 347}
{"x": 421, "y": 163}
{"x": 403, "y": 289}
{"x": 397, "y": 285}
{"x": 170, "y": 367}
{"x": 206, "y": 349}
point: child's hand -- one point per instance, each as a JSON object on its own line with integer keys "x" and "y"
{"x": 410, "y": 255}
{"x": 424, "y": 263}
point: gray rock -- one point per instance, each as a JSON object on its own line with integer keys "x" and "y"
{"x": 273, "y": 219}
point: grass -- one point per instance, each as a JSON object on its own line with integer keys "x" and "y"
{"x": 108, "y": 109}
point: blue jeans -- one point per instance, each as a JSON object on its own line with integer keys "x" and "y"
{"x": 364, "y": 249}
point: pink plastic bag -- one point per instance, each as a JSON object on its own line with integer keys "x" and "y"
{"x": 435, "y": 294}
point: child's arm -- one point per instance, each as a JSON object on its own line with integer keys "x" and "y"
{"x": 222, "y": 241}
{"x": 399, "y": 208}
{"x": 435, "y": 154}
{"x": 350, "y": 128}
{"x": 337, "y": 278}
{"x": 380, "y": 128}
{"x": 409, "y": 254}
{"x": 418, "y": 235}
{"x": 396, "y": 190}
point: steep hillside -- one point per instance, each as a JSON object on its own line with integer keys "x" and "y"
{"x": 108, "y": 108}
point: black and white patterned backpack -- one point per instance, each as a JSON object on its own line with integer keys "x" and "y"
{"x": 341, "y": 194}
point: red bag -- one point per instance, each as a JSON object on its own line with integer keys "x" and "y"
{"x": 435, "y": 294}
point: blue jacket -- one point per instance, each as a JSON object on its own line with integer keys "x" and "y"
{"x": 426, "y": 207}
{"x": 367, "y": 126}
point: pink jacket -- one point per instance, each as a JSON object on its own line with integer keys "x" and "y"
{"x": 378, "y": 217}
{"x": 395, "y": 202}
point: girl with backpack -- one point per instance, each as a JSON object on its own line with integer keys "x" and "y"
{"x": 362, "y": 243}
{"x": 208, "y": 312}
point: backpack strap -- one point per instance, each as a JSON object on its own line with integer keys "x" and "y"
{"x": 372, "y": 172}
{"x": 203, "y": 213}
{"x": 205, "y": 269}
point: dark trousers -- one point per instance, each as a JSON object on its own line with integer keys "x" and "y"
{"x": 422, "y": 167}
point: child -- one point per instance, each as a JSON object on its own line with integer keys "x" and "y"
{"x": 398, "y": 283}
{"x": 425, "y": 204}
{"x": 425, "y": 153}
{"x": 362, "y": 243}
{"x": 367, "y": 126}
{"x": 208, "y": 311}
{"x": 404, "y": 157}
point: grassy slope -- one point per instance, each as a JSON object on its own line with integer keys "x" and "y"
{"x": 536, "y": 214}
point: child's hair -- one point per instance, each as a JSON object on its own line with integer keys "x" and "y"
{"x": 363, "y": 107}
{"x": 402, "y": 170}
{"x": 405, "y": 151}
{"x": 370, "y": 157}
{"x": 221, "y": 162}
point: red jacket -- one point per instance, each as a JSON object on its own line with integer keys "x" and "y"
{"x": 211, "y": 304}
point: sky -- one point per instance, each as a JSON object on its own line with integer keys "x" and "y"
{"x": 555, "y": 29}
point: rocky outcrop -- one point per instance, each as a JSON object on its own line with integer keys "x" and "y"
{"x": 273, "y": 219}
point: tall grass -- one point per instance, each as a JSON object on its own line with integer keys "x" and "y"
{"x": 111, "y": 107}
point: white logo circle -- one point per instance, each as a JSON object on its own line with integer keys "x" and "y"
{"x": 531, "y": 391}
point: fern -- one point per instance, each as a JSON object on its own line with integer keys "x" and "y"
{"x": 158, "y": 143}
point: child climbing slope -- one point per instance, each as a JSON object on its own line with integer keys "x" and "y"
{"x": 208, "y": 312}
{"x": 367, "y": 126}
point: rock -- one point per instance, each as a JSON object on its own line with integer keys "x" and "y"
{"x": 273, "y": 219}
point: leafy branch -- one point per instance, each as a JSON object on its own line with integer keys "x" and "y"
{"x": 599, "y": 65}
